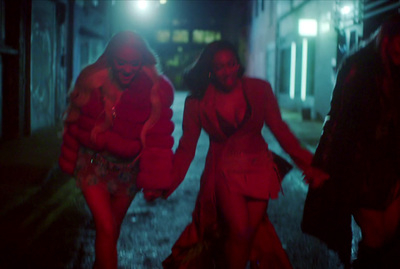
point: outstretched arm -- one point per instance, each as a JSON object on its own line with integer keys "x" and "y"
{"x": 288, "y": 141}
{"x": 282, "y": 132}
{"x": 184, "y": 154}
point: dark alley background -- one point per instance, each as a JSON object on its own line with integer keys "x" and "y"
{"x": 297, "y": 45}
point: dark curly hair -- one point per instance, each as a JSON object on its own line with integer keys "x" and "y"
{"x": 389, "y": 28}
{"x": 196, "y": 77}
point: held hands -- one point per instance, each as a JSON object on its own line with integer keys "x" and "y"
{"x": 175, "y": 184}
{"x": 151, "y": 195}
{"x": 315, "y": 177}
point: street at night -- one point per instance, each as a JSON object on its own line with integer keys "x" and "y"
{"x": 51, "y": 226}
{"x": 92, "y": 97}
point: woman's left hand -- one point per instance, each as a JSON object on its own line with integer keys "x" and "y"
{"x": 315, "y": 177}
{"x": 151, "y": 195}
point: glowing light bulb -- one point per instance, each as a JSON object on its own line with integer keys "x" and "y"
{"x": 142, "y": 4}
{"x": 346, "y": 10}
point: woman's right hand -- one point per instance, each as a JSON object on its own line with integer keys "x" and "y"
{"x": 315, "y": 177}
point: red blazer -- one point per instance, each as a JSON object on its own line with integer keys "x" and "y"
{"x": 242, "y": 159}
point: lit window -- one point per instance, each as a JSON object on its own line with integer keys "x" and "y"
{"x": 211, "y": 36}
{"x": 173, "y": 61}
{"x": 307, "y": 27}
{"x": 180, "y": 36}
{"x": 163, "y": 36}
{"x": 198, "y": 36}
{"x": 203, "y": 36}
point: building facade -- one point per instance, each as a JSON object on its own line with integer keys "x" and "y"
{"x": 43, "y": 46}
{"x": 179, "y": 30}
{"x": 298, "y": 46}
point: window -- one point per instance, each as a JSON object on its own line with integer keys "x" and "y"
{"x": 163, "y": 36}
{"x": 205, "y": 36}
{"x": 180, "y": 36}
{"x": 285, "y": 61}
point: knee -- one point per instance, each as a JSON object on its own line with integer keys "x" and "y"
{"x": 106, "y": 229}
{"x": 241, "y": 235}
{"x": 372, "y": 228}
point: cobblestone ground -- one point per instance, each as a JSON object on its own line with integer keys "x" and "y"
{"x": 56, "y": 231}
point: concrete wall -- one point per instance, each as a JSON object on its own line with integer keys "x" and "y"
{"x": 91, "y": 31}
{"x": 260, "y": 60}
{"x": 43, "y": 64}
{"x": 272, "y": 33}
{"x": 324, "y": 55}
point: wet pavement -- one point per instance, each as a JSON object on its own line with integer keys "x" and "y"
{"x": 44, "y": 221}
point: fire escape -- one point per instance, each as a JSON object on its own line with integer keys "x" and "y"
{"x": 356, "y": 20}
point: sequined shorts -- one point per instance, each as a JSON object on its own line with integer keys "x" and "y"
{"x": 116, "y": 176}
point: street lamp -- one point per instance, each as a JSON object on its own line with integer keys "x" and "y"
{"x": 346, "y": 10}
{"x": 142, "y": 4}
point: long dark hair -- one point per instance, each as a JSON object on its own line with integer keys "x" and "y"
{"x": 197, "y": 76}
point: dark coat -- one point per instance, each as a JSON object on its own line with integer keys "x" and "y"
{"x": 358, "y": 149}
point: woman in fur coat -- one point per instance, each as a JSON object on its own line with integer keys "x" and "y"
{"x": 117, "y": 136}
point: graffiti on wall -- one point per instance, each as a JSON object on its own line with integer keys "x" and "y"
{"x": 43, "y": 64}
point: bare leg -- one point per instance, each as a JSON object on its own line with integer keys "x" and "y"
{"x": 378, "y": 230}
{"x": 98, "y": 200}
{"x": 120, "y": 205}
{"x": 242, "y": 219}
{"x": 257, "y": 210}
{"x": 378, "y": 227}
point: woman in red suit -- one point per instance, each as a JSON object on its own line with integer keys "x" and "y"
{"x": 230, "y": 226}
{"x": 117, "y": 136}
